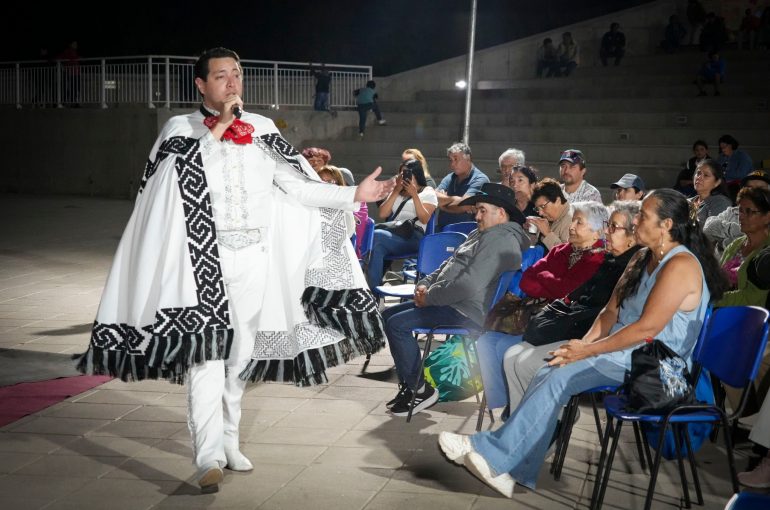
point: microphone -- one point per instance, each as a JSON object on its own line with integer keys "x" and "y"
{"x": 237, "y": 111}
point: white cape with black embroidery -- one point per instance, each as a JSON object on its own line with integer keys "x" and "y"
{"x": 165, "y": 306}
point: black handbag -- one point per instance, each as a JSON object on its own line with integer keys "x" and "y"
{"x": 511, "y": 314}
{"x": 401, "y": 228}
{"x": 658, "y": 380}
{"x": 560, "y": 321}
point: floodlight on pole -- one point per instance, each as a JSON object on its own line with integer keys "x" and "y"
{"x": 469, "y": 74}
{"x": 461, "y": 84}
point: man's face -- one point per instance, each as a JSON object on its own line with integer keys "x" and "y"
{"x": 488, "y": 215}
{"x": 726, "y": 148}
{"x": 223, "y": 81}
{"x": 459, "y": 163}
{"x": 627, "y": 194}
{"x": 506, "y": 168}
{"x": 571, "y": 173}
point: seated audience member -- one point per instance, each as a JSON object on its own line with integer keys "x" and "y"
{"x": 465, "y": 180}
{"x": 411, "y": 200}
{"x": 458, "y": 293}
{"x": 572, "y": 171}
{"x": 547, "y": 59}
{"x": 613, "y": 45}
{"x": 522, "y": 181}
{"x": 735, "y": 163}
{"x": 506, "y": 162}
{"x": 700, "y": 151}
{"x": 332, "y": 175}
{"x": 629, "y": 187}
{"x": 563, "y": 269}
{"x": 664, "y": 294}
{"x": 569, "y": 55}
{"x": 556, "y": 213}
{"x": 573, "y": 316}
{"x": 417, "y": 154}
{"x": 673, "y": 35}
{"x": 724, "y": 228}
{"x": 711, "y": 196}
{"x": 712, "y": 71}
{"x": 319, "y": 157}
{"x": 759, "y": 477}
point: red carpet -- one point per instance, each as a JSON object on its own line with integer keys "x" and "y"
{"x": 21, "y": 399}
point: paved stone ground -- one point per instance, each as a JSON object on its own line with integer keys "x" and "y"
{"x": 126, "y": 446}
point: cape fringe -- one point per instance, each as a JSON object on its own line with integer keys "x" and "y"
{"x": 166, "y": 358}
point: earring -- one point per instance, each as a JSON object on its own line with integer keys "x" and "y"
{"x": 661, "y": 249}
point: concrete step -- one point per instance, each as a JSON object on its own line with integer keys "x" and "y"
{"x": 578, "y": 135}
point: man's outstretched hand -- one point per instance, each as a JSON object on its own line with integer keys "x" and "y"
{"x": 371, "y": 190}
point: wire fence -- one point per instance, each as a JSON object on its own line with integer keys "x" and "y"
{"x": 165, "y": 81}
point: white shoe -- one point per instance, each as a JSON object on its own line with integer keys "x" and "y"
{"x": 236, "y": 461}
{"x": 455, "y": 446}
{"x": 477, "y": 465}
{"x": 382, "y": 122}
{"x": 209, "y": 478}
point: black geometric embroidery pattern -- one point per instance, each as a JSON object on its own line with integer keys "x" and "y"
{"x": 212, "y": 310}
{"x": 287, "y": 151}
{"x": 168, "y": 147}
{"x": 110, "y": 336}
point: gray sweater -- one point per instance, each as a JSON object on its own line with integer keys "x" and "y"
{"x": 468, "y": 279}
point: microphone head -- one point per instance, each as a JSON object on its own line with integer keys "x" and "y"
{"x": 237, "y": 111}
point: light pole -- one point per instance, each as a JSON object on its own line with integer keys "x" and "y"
{"x": 469, "y": 74}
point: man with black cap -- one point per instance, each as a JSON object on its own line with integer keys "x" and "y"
{"x": 725, "y": 227}
{"x": 629, "y": 187}
{"x": 572, "y": 171}
{"x": 459, "y": 292}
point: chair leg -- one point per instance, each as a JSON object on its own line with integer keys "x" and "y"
{"x": 473, "y": 368}
{"x": 693, "y": 467}
{"x": 597, "y": 419}
{"x": 426, "y": 351}
{"x": 730, "y": 456}
{"x": 655, "y": 468}
{"x": 482, "y": 410}
{"x": 608, "y": 468}
{"x": 640, "y": 445}
{"x": 677, "y": 432}
{"x": 604, "y": 440}
{"x": 562, "y": 440}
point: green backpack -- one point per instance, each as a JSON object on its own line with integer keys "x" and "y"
{"x": 447, "y": 370}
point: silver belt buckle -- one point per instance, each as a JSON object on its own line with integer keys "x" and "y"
{"x": 239, "y": 239}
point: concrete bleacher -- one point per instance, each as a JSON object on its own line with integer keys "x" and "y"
{"x": 623, "y": 120}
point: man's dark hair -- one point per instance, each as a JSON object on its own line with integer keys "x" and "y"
{"x": 729, "y": 140}
{"x": 201, "y": 68}
{"x": 547, "y": 40}
{"x": 371, "y": 84}
{"x": 700, "y": 143}
{"x": 719, "y": 173}
{"x": 550, "y": 189}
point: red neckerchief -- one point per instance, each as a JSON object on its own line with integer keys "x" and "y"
{"x": 239, "y": 132}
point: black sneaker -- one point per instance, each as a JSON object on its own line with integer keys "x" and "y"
{"x": 404, "y": 393}
{"x": 423, "y": 400}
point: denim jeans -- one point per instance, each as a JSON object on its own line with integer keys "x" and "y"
{"x": 387, "y": 244}
{"x": 363, "y": 110}
{"x": 321, "y": 102}
{"x": 399, "y": 322}
{"x": 491, "y": 347}
{"x": 519, "y": 446}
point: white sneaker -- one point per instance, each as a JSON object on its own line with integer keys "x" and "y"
{"x": 209, "y": 478}
{"x": 382, "y": 122}
{"x": 455, "y": 446}
{"x": 477, "y": 465}
{"x": 236, "y": 461}
{"x": 759, "y": 477}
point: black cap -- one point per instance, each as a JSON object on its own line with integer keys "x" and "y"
{"x": 499, "y": 195}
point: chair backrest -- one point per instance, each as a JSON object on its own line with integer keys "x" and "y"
{"x": 502, "y": 286}
{"x": 430, "y": 227}
{"x": 733, "y": 344}
{"x": 529, "y": 257}
{"x": 466, "y": 227}
{"x": 368, "y": 239}
{"x": 435, "y": 249}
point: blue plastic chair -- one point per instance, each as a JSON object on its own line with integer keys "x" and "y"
{"x": 434, "y": 250}
{"x": 410, "y": 260}
{"x": 748, "y": 501}
{"x": 466, "y": 227}
{"x": 731, "y": 350}
{"x": 368, "y": 241}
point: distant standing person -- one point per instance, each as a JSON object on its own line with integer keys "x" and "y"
{"x": 71, "y": 63}
{"x": 366, "y": 99}
{"x": 613, "y": 45}
{"x": 696, "y": 17}
{"x": 322, "y": 86}
{"x": 712, "y": 71}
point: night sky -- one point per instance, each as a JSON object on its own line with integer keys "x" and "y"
{"x": 392, "y": 35}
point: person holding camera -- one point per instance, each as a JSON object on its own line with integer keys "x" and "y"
{"x": 407, "y": 210}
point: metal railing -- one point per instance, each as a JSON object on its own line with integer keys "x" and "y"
{"x": 166, "y": 81}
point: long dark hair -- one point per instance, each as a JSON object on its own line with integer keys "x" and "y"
{"x": 685, "y": 230}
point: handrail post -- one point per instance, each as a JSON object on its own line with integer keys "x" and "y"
{"x": 168, "y": 83}
{"x": 103, "y": 89}
{"x": 58, "y": 85}
{"x": 149, "y": 82}
{"x": 275, "y": 86}
{"x": 18, "y": 86}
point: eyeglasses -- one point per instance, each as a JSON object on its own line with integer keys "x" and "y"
{"x": 612, "y": 227}
{"x": 748, "y": 212}
{"x": 542, "y": 206}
